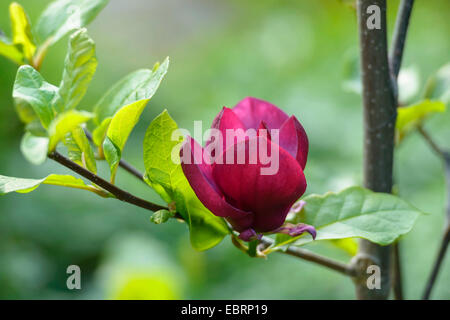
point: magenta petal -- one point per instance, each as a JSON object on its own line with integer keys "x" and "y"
{"x": 296, "y": 230}
{"x": 268, "y": 197}
{"x": 252, "y": 111}
{"x": 263, "y": 130}
{"x": 199, "y": 175}
{"x": 230, "y": 126}
{"x": 294, "y": 140}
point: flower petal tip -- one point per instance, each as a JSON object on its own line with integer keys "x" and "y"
{"x": 296, "y": 230}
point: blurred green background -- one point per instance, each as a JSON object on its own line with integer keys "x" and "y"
{"x": 292, "y": 53}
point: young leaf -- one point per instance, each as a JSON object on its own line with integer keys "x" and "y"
{"x": 161, "y": 216}
{"x": 167, "y": 178}
{"x": 20, "y": 185}
{"x": 31, "y": 89}
{"x": 409, "y": 118}
{"x": 34, "y": 148}
{"x": 438, "y": 86}
{"x": 10, "y": 51}
{"x": 79, "y": 68}
{"x": 349, "y": 245}
{"x": 354, "y": 213}
{"x": 21, "y": 30}
{"x": 80, "y": 150}
{"x": 63, "y": 16}
{"x": 64, "y": 123}
{"x": 127, "y": 116}
{"x": 25, "y": 112}
{"x": 99, "y": 133}
{"x": 35, "y": 127}
{"x": 139, "y": 85}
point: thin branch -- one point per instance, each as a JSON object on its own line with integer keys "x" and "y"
{"x": 440, "y": 152}
{"x": 395, "y": 61}
{"x": 399, "y": 37}
{"x": 124, "y": 164}
{"x": 437, "y": 265}
{"x": 397, "y": 277}
{"x": 313, "y": 257}
{"x": 445, "y": 156}
{"x": 117, "y": 192}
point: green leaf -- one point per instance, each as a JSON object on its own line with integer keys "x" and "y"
{"x": 161, "y": 216}
{"x": 349, "y": 245}
{"x": 139, "y": 85}
{"x": 79, "y": 68}
{"x": 35, "y": 127}
{"x": 118, "y": 132}
{"x": 438, "y": 86}
{"x": 99, "y": 133}
{"x": 63, "y": 16}
{"x": 21, "y": 30}
{"x": 11, "y": 51}
{"x": 34, "y": 148}
{"x": 25, "y": 111}
{"x": 20, "y": 185}
{"x": 127, "y": 116}
{"x": 167, "y": 178}
{"x": 354, "y": 213}
{"x": 31, "y": 89}
{"x": 409, "y": 118}
{"x": 64, "y": 123}
{"x": 79, "y": 149}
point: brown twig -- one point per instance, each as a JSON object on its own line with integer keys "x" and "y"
{"x": 122, "y": 163}
{"x": 313, "y": 257}
{"x": 395, "y": 61}
{"x": 445, "y": 156}
{"x": 399, "y": 37}
{"x": 114, "y": 190}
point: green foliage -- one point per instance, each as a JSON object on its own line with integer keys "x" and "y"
{"x": 22, "y": 45}
{"x": 129, "y": 109}
{"x": 438, "y": 86}
{"x": 65, "y": 123}
{"x": 34, "y": 148}
{"x": 162, "y": 144}
{"x": 79, "y": 149}
{"x": 411, "y": 117}
{"x": 63, "y": 16}
{"x": 161, "y": 216}
{"x": 10, "y": 50}
{"x": 354, "y": 212}
{"x": 139, "y": 85}
{"x": 12, "y": 184}
{"x": 21, "y": 31}
{"x": 79, "y": 68}
{"x": 348, "y": 245}
{"x": 32, "y": 92}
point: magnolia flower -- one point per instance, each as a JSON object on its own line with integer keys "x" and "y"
{"x": 251, "y": 169}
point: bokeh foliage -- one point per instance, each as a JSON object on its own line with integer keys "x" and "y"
{"x": 291, "y": 54}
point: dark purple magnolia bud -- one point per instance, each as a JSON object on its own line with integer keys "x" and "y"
{"x": 253, "y": 173}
